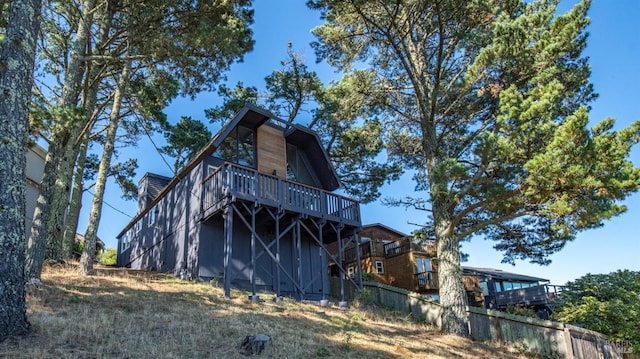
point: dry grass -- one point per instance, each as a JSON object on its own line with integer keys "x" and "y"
{"x": 120, "y": 313}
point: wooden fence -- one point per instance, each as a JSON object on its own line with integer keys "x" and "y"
{"x": 545, "y": 337}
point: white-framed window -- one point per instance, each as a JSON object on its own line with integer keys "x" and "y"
{"x": 351, "y": 272}
{"x": 137, "y": 226}
{"x": 125, "y": 242}
{"x": 379, "y": 267}
{"x": 152, "y": 215}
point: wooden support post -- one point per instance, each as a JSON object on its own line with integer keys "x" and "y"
{"x": 323, "y": 267}
{"x": 298, "y": 255}
{"x": 268, "y": 252}
{"x": 277, "y": 219}
{"x": 340, "y": 253}
{"x": 228, "y": 236}
{"x": 253, "y": 250}
{"x": 358, "y": 264}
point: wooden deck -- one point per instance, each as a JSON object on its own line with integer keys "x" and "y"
{"x": 426, "y": 281}
{"x": 234, "y": 182}
{"x": 391, "y": 249}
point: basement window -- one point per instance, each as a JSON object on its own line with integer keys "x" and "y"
{"x": 379, "y": 267}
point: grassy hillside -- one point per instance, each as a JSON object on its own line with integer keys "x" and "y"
{"x": 122, "y": 313}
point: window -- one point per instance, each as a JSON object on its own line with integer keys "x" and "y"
{"x": 211, "y": 169}
{"x": 152, "y": 215}
{"x": 485, "y": 288}
{"x": 507, "y": 285}
{"x": 365, "y": 240}
{"x": 137, "y": 226}
{"x": 517, "y": 285}
{"x": 298, "y": 168}
{"x": 379, "y": 267}
{"x": 238, "y": 147}
{"x": 351, "y": 272}
{"x": 498, "y": 286}
{"x": 423, "y": 265}
{"x": 125, "y": 242}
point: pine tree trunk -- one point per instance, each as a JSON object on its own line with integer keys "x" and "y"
{"x": 88, "y": 254}
{"x": 36, "y": 245}
{"x": 453, "y": 298}
{"x": 60, "y": 202}
{"x": 17, "y": 53}
{"x": 45, "y": 222}
{"x": 71, "y": 225}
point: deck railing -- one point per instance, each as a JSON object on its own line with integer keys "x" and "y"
{"x": 407, "y": 244}
{"x": 426, "y": 280}
{"x": 349, "y": 255}
{"x": 249, "y": 184}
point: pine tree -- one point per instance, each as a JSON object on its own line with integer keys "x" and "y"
{"x": 486, "y": 102}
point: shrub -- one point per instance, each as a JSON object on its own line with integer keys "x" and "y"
{"x": 109, "y": 257}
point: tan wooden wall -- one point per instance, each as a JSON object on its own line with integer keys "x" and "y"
{"x": 272, "y": 151}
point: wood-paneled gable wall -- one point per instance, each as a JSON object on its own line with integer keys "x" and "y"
{"x": 272, "y": 151}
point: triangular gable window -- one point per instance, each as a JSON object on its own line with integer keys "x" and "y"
{"x": 298, "y": 168}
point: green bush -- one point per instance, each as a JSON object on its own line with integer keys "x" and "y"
{"x": 368, "y": 277}
{"x": 523, "y": 311}
{"x": 109, "y": 257}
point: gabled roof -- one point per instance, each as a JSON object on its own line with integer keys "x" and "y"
{"x": 253, "y": 117}
{"x": 500, "y": 274}
{"x": 400, "y": 234}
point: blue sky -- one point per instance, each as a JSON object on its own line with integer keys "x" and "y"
{"x": 614, "y": 51}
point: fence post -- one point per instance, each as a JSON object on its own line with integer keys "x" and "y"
{"x": 567, "y": 343}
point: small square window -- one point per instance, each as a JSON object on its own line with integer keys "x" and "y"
{"x": 379, "y": 267}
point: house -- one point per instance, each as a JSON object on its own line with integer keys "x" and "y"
{"x": 34, "y": 170}
{"x": 504, "y": 289}
{"x": 254, "y": 210}
{"x": 391, "y": 257}
{"x": 78, "y": 245}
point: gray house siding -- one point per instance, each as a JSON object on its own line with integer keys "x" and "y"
{"x": 169, "y": 244}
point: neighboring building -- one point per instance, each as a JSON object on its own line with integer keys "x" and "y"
{"x": 253, "y": 210}
{"x": 504, "y": 289}
{"x": 35, "y": 169}
{"x": 79, "y": 240}
{"x": 394, "y": 258}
